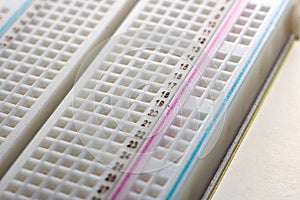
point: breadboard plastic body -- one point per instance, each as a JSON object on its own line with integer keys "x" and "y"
{"x": 88, "y": 146}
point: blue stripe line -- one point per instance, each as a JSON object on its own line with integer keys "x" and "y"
{"x": 11, "y": 20}
{"x": 228, "y": 96}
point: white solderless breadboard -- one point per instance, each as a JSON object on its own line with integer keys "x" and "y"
{"x": 39, "y": 56}
{"x": 140, "y": 116}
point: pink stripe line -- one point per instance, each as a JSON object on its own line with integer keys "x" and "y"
{"x": 238, "y": 5}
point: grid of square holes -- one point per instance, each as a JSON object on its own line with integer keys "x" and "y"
{"x": 121, "y": 89}
{"x": 94, "y": 106}
{"x": 32, "y": 60}
{"x": 121, "y": 79}
{"x": 224, "y": 64}
{"x": 116, "y": 97}
{"x": 188, "y": 123}
{"x": 248, "y": 24}
{"x": 182, "y": 16}
{"x": 63, "y": 134}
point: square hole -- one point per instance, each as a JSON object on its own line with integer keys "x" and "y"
{"x": 245, "y": 41}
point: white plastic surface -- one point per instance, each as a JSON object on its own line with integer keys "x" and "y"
{"x": 82, "y": 148}
{"x": 39, "y": 58}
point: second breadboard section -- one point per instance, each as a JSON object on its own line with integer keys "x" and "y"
{"x": 39, "y": 57}
{"x": 142, "y": 120}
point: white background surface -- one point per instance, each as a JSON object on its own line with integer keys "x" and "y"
{"x": 267, "y": 164}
